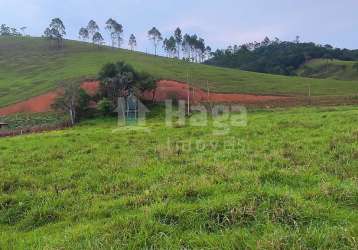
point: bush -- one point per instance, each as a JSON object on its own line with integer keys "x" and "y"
{"x": 105, "y": 107}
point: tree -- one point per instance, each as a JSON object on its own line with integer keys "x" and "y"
{"x": 186, "y": 46}
{"x": 156, "y": 37}
{"x": 165, "y": 46}
{"x": 97, "y": 39}
{"x": 178, "y": 40}
{"x": 48, "y": 33}
{"x": 58, "y": 31}
{"x": 110, "y": 27}
{"x": 119, "y": 79}
{"x": 117, "y": 33}
{"x": 105, "y": 107}
{"x": 200, "y": 49}
{"x": 169, "y": 46}
{"x": 8, "y": 31}
{"x": 92, "y": 28}
{"x": 208, "y": 52}
{"x": 5, "y": 30}
{"x": 132, "y": 42}
{"x": 83, "y": 34}
{"x": 14, "y": 32}
{"x": 74, "y": 101}
{"x": 115, "y": 30}
{"x": 266, "y": 42}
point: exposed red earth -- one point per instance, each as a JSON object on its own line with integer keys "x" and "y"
{"x": 166, "y": 89}
{"x": 42, "y": 103}
{"x": 38, "y": 104}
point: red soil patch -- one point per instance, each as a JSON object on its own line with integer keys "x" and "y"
{"x": 42, "y": 103}
{"x": 38, "y": 104}
{"x": 91, "y": 87}
{"x": 173, "y": 89}
{"x": 166, "y": 89}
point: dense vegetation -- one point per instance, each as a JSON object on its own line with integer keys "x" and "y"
{"x": 277, "y": 57}
{"x": 29, "y": 67}
{"x": 288, "y": 182}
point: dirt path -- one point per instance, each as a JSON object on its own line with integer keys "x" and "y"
{"x": 166, "y": 90}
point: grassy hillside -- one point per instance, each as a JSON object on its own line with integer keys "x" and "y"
{"x": 286, "y": 181}
{"x": 28, "y": 68}
{"x": 333, "y": 69}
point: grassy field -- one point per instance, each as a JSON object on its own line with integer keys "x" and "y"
{"x": 28, "y": 67}
{"x": 332, "y": 69}
{"x": 286, "y": 181}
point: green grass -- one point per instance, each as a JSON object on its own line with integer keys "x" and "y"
{"x": 331, "y": 69}
{"x": 28, "y": 68}
{"x": 290, "y": 182}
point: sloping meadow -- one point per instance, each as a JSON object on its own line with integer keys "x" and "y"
{"x": 286, "y": 180}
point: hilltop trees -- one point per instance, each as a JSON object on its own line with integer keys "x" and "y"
{"x": 193, "y": 47}
{"x": 156, "y": 37}
{"x": 92, "y": 28}
{"x": 118, "y": 30}
{"x": 178, "y": 40}
{"x": 110, "y": 29}
{"x": 5, "y": 30}
{"x": 83, "y": 34}
{"x": 56, "y": 31}
{"x": 8, "y": 31}
{"x": 169, "y": 46}
{"x": 97, "y": 39}
{"x": 132, "y": 42}
{"x": 115, "y": 30}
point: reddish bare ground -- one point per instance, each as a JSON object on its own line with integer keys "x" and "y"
{"x": 42, "y": 103}
{"x": 91, "y": 87}
{"x": 172, "y": 89}
{"x": 38, "y": 104}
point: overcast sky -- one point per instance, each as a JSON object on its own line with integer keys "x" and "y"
{"x": 220, "y": 22}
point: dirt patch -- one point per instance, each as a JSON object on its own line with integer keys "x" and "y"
{"x": 167, "y": 89}
{"x": 42, "y": 103}
{"x": 38, "y": 104}
{"x": 173, "y": 89}
{"x": 91, "y": 87}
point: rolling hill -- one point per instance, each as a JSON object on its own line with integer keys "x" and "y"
{"x": 331, "y": 69}
{"x": 28, "y": 67}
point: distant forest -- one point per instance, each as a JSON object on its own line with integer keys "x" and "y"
{"x": 277, "y": 57}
